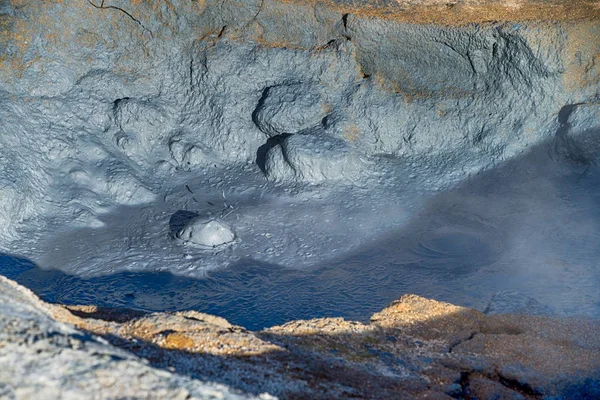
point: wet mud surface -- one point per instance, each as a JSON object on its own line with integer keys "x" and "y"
{"x": 529, "y": 226}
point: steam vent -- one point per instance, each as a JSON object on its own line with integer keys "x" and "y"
{"x": 300, "y": 199}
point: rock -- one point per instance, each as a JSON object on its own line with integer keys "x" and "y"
{"x": 313, "y": 157}
{"x": 584, "y": 117}
{"x": 141, "y": 127}
{"x": 576, "y": 138}
{"x": 45, "y": 358}
{"x": 140, "y": 117}
{"x": 412, "y": 349}
{"x": 207, "y": 233}
{"x": 290, "y": 109}
{"x": 486, "y": 389}
{"x": 186, "y": 155}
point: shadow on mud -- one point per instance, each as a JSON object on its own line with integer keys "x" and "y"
{"x": 179, "y": 219}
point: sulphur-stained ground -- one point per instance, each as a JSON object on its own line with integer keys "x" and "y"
{"x": 460, "y": 12}
{"x": 415, "y": 348}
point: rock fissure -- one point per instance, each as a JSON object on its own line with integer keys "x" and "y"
{"x": 345, "y": 26}
{"x": 519, "y": 387}
{"x": 128, "y": 14}
{"x": 260, "y": 7}
{"x": 462, "y": 341}
{"x": 464, "y": 386}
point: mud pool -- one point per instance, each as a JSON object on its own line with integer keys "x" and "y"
{"x": 344, "y": 158}
{"x": 530, "y": 226}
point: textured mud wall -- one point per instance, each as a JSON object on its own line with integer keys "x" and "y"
{"x": 307, "y": 91}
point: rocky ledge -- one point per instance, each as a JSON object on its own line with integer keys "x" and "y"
{"x": 415, "y": 348}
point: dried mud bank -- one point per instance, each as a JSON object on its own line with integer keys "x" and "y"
{"x": 415, "y": 348}
{"x": 103, "y": 102}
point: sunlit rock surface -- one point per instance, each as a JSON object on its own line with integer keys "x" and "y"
{"x": 415, "y": 348}
{"x": 44, "y": 358}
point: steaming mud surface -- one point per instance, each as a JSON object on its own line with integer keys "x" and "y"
{"x": 530, "y": 226}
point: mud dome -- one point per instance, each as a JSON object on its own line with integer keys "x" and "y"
{"x": 206, "y": 233}
{"x": 352, "y": 158}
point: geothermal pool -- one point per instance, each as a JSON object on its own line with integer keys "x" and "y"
{"x": 529, "y": 226}
{"x": 354, "y": 159}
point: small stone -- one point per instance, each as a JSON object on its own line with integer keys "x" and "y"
{"x": 203, "y": 232}
{"x": 290, "y": 109}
